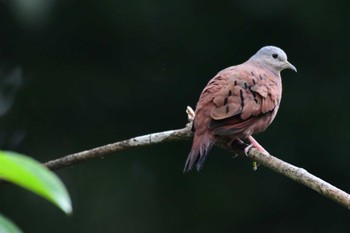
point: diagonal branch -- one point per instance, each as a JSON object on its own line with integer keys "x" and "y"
{"x": 301, "y": 176}
{"x": 102, "y": 151}
{"x": 297, "y": 174}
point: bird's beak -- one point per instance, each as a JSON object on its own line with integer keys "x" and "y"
{"x": 290, "y": 66}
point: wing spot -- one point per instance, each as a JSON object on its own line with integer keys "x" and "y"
{"x": 227, "y": 109}
{"x": 235, "y": 83}
{"x": 245, "y": 85}
{"x": 254, "y": 81}
{"x": 254, "y": 94}
{"x": 229, "y": 93}
{"x": 242, "y": 98}
{"x": 252, "y": 73}
{"x": 261, "y": 77}
{"x": 225, "y": 101}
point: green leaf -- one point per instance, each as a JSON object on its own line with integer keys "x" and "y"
{"x": 30, "y": 174}
{"x": 7, "y": 226}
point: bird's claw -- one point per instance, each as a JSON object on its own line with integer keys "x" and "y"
{"x": 246, "y": 150}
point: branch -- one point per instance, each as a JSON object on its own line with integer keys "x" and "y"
{"x": 297, "y": 174}
{"x": 102, "y": 151}
{"x": 301, "y": 176}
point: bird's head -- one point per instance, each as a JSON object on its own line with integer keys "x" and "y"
{"x": 273, "y": 58}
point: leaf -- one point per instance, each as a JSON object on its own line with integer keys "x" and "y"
{"x": 30, "y": 174}
{"x": 7, "y": 226}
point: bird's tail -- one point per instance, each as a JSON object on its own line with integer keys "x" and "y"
{"x": 200, "y": 148}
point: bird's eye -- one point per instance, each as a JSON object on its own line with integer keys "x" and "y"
{"x": 275, "y": 55}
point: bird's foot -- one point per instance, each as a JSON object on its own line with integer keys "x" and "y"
{"x": 247, "y": 149}
{"x": 255, "y": 164}
{"x": 255, "y": 144}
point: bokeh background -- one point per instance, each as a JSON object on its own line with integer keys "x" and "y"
{"x": 79, "y": 74}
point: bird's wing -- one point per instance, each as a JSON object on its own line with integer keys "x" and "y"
{"x": 246, "y": 96}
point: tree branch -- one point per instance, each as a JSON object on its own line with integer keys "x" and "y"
{"x": 145, "y": 140}
{"x": 297, "y": 174}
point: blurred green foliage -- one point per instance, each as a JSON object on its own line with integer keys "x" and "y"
{"x": 7, "y": 226}
{"x": 31, "y": 175}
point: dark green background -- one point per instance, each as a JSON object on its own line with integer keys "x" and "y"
{"x": 95, "y": 72}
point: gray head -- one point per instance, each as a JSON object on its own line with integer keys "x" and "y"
{"x": 273, "y": 58}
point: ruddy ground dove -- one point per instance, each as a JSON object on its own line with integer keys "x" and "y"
{"x": 239, "y": 101}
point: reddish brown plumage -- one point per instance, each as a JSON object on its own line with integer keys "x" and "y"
{"x": 239, "y": 101}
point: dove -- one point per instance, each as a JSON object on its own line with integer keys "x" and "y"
{"x": 238, "y": 102}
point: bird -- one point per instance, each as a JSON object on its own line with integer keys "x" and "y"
{"x": 237, "y": 102}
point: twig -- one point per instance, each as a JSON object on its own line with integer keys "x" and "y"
{"x": 301, "y": 176}
{"x": 297, "y": 174}
{"x": 145, "y": 140}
